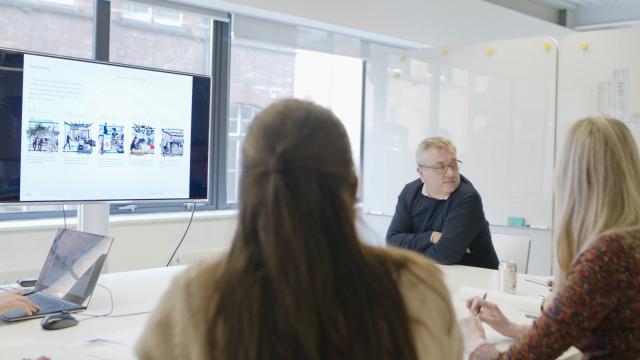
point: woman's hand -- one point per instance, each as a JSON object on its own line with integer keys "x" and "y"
{"x": 490, "y": 313}
{"x": 12, "y": 300}
{"x": 472, "y": 333}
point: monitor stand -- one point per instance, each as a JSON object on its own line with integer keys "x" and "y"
{"x": 94, "y": 218}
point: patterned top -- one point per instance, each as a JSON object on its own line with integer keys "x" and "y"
{"x": 598, "y": 310}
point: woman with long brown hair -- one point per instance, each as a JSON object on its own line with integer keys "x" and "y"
{"x": 597, "y": 305}
{"x": 297, "y": 282}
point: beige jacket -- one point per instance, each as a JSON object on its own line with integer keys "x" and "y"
{"x": 178, "y": 327}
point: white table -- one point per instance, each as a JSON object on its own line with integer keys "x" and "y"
{"x": 459, "y": 276}
{"x": 133, "y": 292}
{"x": 139, "y": 291}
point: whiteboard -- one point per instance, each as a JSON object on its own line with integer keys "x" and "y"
{"x": 495, "y": 101}
{"x": 599, "y": 75}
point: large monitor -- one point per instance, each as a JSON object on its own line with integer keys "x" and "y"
{"x": 77, "y": 130}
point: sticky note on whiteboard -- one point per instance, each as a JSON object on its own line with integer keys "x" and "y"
{"x": 515, "y": 221}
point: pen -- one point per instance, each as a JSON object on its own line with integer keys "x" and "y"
{"x": 547, "y": 283}
{"x": 483, "y": 298}
{"x": 536, "y": 282}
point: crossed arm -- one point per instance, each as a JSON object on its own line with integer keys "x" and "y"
{"x": 448, "y": 246}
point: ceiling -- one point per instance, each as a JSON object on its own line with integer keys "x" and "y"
{"x": 579, "y": 14}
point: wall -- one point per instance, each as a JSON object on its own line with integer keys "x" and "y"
{"x": 144, "y": 241}
{"x": 140, "y": 241}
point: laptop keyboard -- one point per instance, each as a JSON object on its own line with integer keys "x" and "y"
{"x": 47, "y": 303}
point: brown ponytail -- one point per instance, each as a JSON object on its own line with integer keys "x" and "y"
{"x": 297, "y": 283}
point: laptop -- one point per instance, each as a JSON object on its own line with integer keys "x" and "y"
{"x": 69, "y": 274}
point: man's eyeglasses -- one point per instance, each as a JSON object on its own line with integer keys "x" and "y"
{"x": 441, "y": 169}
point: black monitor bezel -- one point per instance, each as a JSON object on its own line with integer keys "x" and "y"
{"x": 200, "y": 159}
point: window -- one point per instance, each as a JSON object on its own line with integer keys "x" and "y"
{"x": 295, "y": 62}
{"x": 240, "y": 116}
{"x": 62, "y": 27}
{"x": 134, "y": 32}
{"x": 160, "y": 37}
{"x": 135, "y": 11}
{"x": 265, "y": 61}
{"x": 165, "y": 36}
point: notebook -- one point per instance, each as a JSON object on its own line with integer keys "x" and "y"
{"x": 69, "y": 274}
{"x": 519, "y": 309}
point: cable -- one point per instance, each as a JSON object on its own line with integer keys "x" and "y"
{"x": 64, "y": 215}
{"x": 130, "y": 314}
{"x": 183, "y": 235}
{"x": 108, "y": 313}
{"x": 92, "y": 316}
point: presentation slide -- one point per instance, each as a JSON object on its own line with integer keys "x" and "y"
{"x": 103, "y": 132}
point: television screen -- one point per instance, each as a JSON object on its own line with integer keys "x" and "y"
{"x": 77, "y": 130}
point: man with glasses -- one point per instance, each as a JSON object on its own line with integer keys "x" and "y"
{"x": 440, "y": 214}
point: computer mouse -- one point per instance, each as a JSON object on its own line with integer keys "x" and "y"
{"x": 58, "y": 321}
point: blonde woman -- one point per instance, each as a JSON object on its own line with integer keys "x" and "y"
{"x": 597, "y": 305}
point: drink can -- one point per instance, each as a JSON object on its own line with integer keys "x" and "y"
{"x": 508, "y": 273}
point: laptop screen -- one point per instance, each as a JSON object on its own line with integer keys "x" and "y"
{"x": 73, "y": 265}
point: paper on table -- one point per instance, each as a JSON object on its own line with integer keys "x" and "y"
{"x": 108, "y": 351}
{"x": 116, "y": 345}
{"x": 526, "y": 305}
{"x": 514, "y": 307}
{"x": 127, "y": 336}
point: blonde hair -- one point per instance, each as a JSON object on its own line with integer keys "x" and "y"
{"x": 436, "y": 143}
{"x": 597, "y": 186}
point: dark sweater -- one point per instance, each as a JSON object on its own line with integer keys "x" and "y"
{"x": 460, "y": 219}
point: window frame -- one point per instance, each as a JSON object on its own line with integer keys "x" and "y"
{"x": 219, "y": 68}
{"x": 218, "y": 108}
{"x": 220, "y": 73}
{"x": 223, "y": 199}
